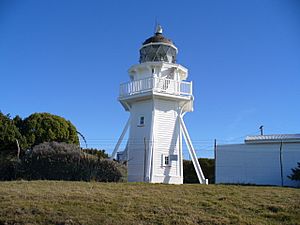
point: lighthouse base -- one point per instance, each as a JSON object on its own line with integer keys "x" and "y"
{"x": 167, "y": 179}
{"x": 163, "y": 179}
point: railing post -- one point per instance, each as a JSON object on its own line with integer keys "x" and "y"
{"x": 174, "y": 87}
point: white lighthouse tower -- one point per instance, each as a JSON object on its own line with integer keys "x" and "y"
{"x": 157, "y": 97}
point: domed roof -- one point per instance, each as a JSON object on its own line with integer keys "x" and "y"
{"x": 158, "y": 37}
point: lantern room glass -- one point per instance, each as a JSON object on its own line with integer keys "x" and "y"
{"x": 154, "y": 53}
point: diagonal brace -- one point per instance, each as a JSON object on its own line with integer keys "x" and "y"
{"x": 193, "y": 155}
{"x": 120, "y": 140}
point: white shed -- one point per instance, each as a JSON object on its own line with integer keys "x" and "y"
{"x": 261, "y": 160}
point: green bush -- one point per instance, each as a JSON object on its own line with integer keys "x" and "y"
{"x": 9, "y": 168}
{"x": 109, "y": 171}
{"x": 295, "y": 173}
{"x": 45, "y": 127}
{"x": 61, "y": 161}
{"x": 51, "y": 161}
{"x": 102, "y": 170}
{"x": 33, "y": 130}
{"x": 96, "y": 152}
{"x": 208, "y": 168}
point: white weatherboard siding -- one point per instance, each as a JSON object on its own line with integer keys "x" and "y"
{"x": 166, "y": 142}
{"x": 166, "y": 130}
{"x": 138, "y": 143}
{"x": 256, "y": 163}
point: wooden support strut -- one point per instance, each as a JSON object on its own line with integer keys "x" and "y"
{"x": 120, "y": 140}
{"x": 193, "y": 155}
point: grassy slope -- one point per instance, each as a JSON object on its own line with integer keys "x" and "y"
{"x": 50, "y": 202}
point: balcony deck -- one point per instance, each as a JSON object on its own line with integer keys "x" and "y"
{"x": 156, "y": 86}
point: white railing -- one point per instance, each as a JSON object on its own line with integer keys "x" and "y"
{"x": 159, "y": 85}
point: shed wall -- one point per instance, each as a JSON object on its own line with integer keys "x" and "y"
{"x": 256, "y": 163}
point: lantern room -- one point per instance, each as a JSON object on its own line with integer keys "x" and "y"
{"x": 158, "y": 49}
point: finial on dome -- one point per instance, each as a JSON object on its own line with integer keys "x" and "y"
{"x": 158, "y": 29}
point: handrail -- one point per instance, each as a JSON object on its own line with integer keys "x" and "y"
{"x": 156, "y": 84}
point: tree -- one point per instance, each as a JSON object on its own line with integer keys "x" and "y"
{"x": 45, "y": 127}
{"x": 18, "y": 122}
{"x": 296, "y": 173}
{"x": 9, "y": 133}
{"x": 36, "y": 129}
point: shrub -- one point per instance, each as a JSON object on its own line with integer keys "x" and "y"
{"x": 61, "y": 161}
{"x": 96, "y": 152}
{"x": 296, "y": 173}
{"x": 52, "y": 161}
{"x": 208, "y": 168}
{"x": 9, "y": 168}
{"x": 109, "y": 171}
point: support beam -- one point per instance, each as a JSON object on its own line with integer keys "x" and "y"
{"x": 193, "y": 155}
{"x": 120, "y": 140}
{"x": 149, "y": 171}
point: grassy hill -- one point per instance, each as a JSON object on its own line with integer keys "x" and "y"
{"x": 60, "y": 202}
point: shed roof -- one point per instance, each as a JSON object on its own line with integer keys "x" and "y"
{"x": 272, "y": 138}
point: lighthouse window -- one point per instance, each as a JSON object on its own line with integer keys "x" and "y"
{"x": 141, "y": 121}
{"x": 166, "y": 161}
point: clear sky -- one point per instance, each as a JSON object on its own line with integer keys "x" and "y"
{"x": 69, "y": 57}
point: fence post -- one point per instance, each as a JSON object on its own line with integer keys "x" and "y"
{"x": 215, "y": 156}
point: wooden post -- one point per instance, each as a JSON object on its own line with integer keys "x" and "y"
{"x": 145, "y": 159}
{"x": 193, "y": 155}
{"x": 120, "y": 140}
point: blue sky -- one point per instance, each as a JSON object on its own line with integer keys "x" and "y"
{"x": 69, "y": 57}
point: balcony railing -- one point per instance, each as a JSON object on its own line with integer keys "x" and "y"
{"x": 158, "y": 85}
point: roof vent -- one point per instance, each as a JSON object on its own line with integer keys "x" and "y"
{"x": 159, "y": 29}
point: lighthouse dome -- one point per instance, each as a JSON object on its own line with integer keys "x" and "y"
{"x": 158, "y": 48}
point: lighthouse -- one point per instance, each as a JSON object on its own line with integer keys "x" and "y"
{"x": 157, "y": 97}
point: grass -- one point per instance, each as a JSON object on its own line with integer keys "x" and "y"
{"x": 61, "y": 202}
